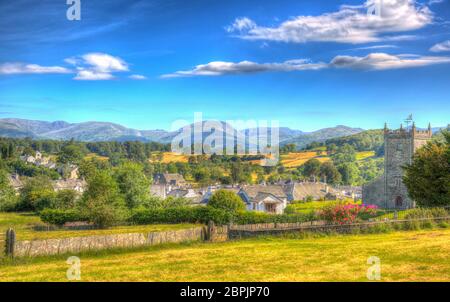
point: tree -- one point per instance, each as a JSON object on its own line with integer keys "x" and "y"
{"x": 226, "y": 200}
{"x": 102, "y": 202}
{"x": 202, "y": 175}
{"x": 288, "y": 148}
{"x": 70, "y": 153}
{"x": 428, "y": 178}
{"x": 37, "y": 194}
{"x": 8, "y": 198}
{"x": 132, "y": 183}
{"x": 344, "y": 154}
{"x": 349, "y": 172}
{"x": 331, "y": 174}
{"x": 66, "y": 199}
{"x": 311, "y": 168}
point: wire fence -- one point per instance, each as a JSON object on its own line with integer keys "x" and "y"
{"x": 396, "y": 214}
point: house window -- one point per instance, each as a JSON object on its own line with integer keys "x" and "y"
{"x": 271, "y": 208}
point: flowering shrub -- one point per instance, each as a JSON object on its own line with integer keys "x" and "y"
{"x": 347, "y": 213}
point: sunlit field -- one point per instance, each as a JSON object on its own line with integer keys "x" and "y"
{"x": 404, "y": 256}
{"x": 24, "y": 223}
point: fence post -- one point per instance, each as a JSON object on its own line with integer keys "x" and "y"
{"x": 211, "y": 230}
{"x": 10, "y": 242}
{"x": 395, "y": 215}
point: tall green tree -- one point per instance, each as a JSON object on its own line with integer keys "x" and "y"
{"x": 71, "y": 153}
{"x": 102, "y": 203}
{"x": 8, "y": 198}
{"x": 428, "y": 177}
{"x": 330, "y": 173}
{"x": 350, "y": 173}
{"x": 133, "y": 184}
{"x": 311, "y": 168}
{"x": 37, "y": 194}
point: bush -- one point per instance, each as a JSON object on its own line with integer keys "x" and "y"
{"x": 426, "y": 213}
{"x": 37, "y": 194}
{"x": 347, "y": 213}
{"x": 60, "y": 217}
{"x": 180, "y": 215}
{"x": 423, "y": 213}
{"x": 206, "y": 214}
{"x": 226, "y": 200}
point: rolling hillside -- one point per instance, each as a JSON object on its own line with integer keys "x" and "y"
{"x": 104, "y": 131}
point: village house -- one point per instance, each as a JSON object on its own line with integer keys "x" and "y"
{"x": 265, "y": 198}
{"x": 170, "y": 179}
{"x": 39, "y": 160}
{"x": 68, "y": 171}
{"x": 314, "y": 190}
{"x": 77, "y": 185}
{"x": 194, "y": 196}
{"x": 158, "y": 190}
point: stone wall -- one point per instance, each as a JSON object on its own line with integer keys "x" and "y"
{"x": 80, "y": 244}
{"x": 373, "y": 193}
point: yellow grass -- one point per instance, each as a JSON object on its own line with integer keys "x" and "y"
{"x": 170, "y": 157}
{"x": 364, "y": 154}
{"x": 297, "y": 159}
{"x": 23, "y": 224}
{"x": 95, "y": 156}
{"x": 404, "y": 256}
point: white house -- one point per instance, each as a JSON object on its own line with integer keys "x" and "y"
{"x": 265, "y": 198}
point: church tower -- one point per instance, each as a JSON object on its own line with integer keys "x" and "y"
{"x": 399, "y": 148}
{"x": 389, "y": 191}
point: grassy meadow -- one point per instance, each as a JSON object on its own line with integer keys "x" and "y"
{"x": 405, "y": 256}
{"x": 23, "y": 224}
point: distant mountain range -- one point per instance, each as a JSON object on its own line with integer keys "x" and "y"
{"x": 103, "y": 131}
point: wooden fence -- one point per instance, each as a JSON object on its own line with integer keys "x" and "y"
{"x": 2, "y": 243}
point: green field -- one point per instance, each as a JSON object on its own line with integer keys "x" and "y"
{"x": 23, "y": 224}
{"x": 405, "y": 256}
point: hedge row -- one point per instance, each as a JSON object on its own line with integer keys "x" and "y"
{"x": 181, "y": 215}
{"x": 206, "y": 214}
{"x": 60, "y": 217}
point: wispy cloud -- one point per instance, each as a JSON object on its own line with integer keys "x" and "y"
{"x": 350, "y": 24}
{"x": 245, "y": 67}
{"x": 375, "y": 47}
{"x": 383, "y": 61}
{"x": 22, "y": 68}
{"x": 137, "y": 77}
{"x": 89, "y": 67}
{"x": 441, "y": 47}
{"x": 373, "y": 61}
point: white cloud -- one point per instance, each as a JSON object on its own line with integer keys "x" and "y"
{"x": 350, "y": 24}
{"x": 383, "y": 61}
{"x": 441, "y": 47}
{"x": 97, "y": 66}
{"x": 373, "y": 61}
{"x": 245, "y": 67}
{"x": 21, "y": 68}
{"x": 90, "y": 75}
{"x": 375, "y": 47}
{"x": 431, "y": 2}
{"x": 137, "y": 77}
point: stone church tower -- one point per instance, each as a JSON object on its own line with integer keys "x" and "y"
{"x": 388, "y": 191}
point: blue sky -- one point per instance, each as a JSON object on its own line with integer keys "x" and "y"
{"x": 307, "y": 63}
